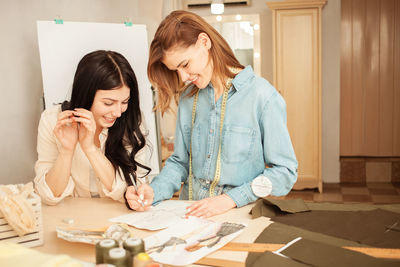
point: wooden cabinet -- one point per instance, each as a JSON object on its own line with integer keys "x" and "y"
{"x": 297, "y": 76}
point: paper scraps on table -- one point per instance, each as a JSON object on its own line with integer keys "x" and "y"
{"x": 119, "y": 232}
{"x": 158, "y": 217}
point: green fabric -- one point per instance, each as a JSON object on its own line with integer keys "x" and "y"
{"x": 368, "y": 227}
{"x": 364, "y": 223}
{"x": 269, "y": 207}
{"x": 324, "y": 255}
{"x": 278, "y": 233}
{"x": 288, "y": 205}
{"x": 352, "y": 207}
{"x": 281, "y": 234}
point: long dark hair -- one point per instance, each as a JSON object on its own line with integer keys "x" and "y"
{"x": 108, "y": 70}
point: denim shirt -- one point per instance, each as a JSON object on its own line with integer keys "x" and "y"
{"x": 254, "y": 136}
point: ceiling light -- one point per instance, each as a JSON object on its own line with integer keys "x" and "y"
{"x": 217, "y": 7}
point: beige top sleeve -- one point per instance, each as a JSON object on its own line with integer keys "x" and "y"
{"x": 118, "y": 187}
{"x": 47, "y": 155}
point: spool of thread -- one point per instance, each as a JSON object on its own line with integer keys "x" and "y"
{"x": 102, "y": 247}
{"x": 141, "y": 260}
{"x": 119, "y": 257}
{"x": 134, "y": 245}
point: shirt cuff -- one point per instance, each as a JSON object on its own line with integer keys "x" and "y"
{"x": 243, "y": 195}
{"x": 47, "y": 195}
{"x": 118, "y": 188}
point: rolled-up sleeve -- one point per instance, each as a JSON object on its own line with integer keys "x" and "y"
{"x": 118, "y": 187}
{"x": 47, "y": 155}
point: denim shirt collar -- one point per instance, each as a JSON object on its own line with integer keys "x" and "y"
{"x": 241, "y": 80}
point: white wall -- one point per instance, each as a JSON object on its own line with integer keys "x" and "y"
{"x": 20, "y": 73}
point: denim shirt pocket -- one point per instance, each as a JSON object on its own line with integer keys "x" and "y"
{"x": 237, "y": 143}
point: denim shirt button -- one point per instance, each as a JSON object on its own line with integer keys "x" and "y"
{"x": 208, "y": 156}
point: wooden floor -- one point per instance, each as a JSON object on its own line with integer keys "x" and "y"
{"x": 372, "y": 193}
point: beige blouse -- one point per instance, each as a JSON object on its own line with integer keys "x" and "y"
{"x": 79, "y": 181}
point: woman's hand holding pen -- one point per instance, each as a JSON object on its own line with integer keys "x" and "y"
{"x": 211, "y": 206}
{"x": 140, "y": 200}
{"x": 86, "y": 128}
{"x": 66, "y": 131}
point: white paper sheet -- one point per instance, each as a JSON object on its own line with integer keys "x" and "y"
{"x": 191, "y": 230}
{"x": 159, "y": 217}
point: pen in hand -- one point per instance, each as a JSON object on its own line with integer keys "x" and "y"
{"x": 140, "y": 200}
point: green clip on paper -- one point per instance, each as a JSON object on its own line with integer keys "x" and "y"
{"x": 58, "y": 21}
{"x": 128, "y": 23}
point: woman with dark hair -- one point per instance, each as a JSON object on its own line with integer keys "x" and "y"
{"x": 89, "y": 146}
{"x": 231, "y": 144}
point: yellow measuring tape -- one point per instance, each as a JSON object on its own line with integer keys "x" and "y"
{"x": 218, "y": 167}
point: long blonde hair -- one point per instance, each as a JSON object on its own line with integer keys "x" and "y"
{"x": 182, "y": 28}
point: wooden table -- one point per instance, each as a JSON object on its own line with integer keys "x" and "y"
{"x": 94, "y": 213}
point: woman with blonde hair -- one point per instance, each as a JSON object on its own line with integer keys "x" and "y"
{"x": 232, "y": 144}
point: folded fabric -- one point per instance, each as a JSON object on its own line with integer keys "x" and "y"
{"x": 314, "y": 249}
{"x": 16, "y": 255}
{"x": 374, "y": 227}
{"x": 325, "y": 255}
{"x": 277, "y": 233}
{"x": 270, "y": 207}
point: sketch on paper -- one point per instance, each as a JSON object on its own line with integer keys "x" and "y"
{"x": 159, "y": 217}
{"x": 190, "y": 240}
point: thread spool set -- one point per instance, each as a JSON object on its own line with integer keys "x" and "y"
{"x": 131, "y": 254}
{"x": 102, "y": 248}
